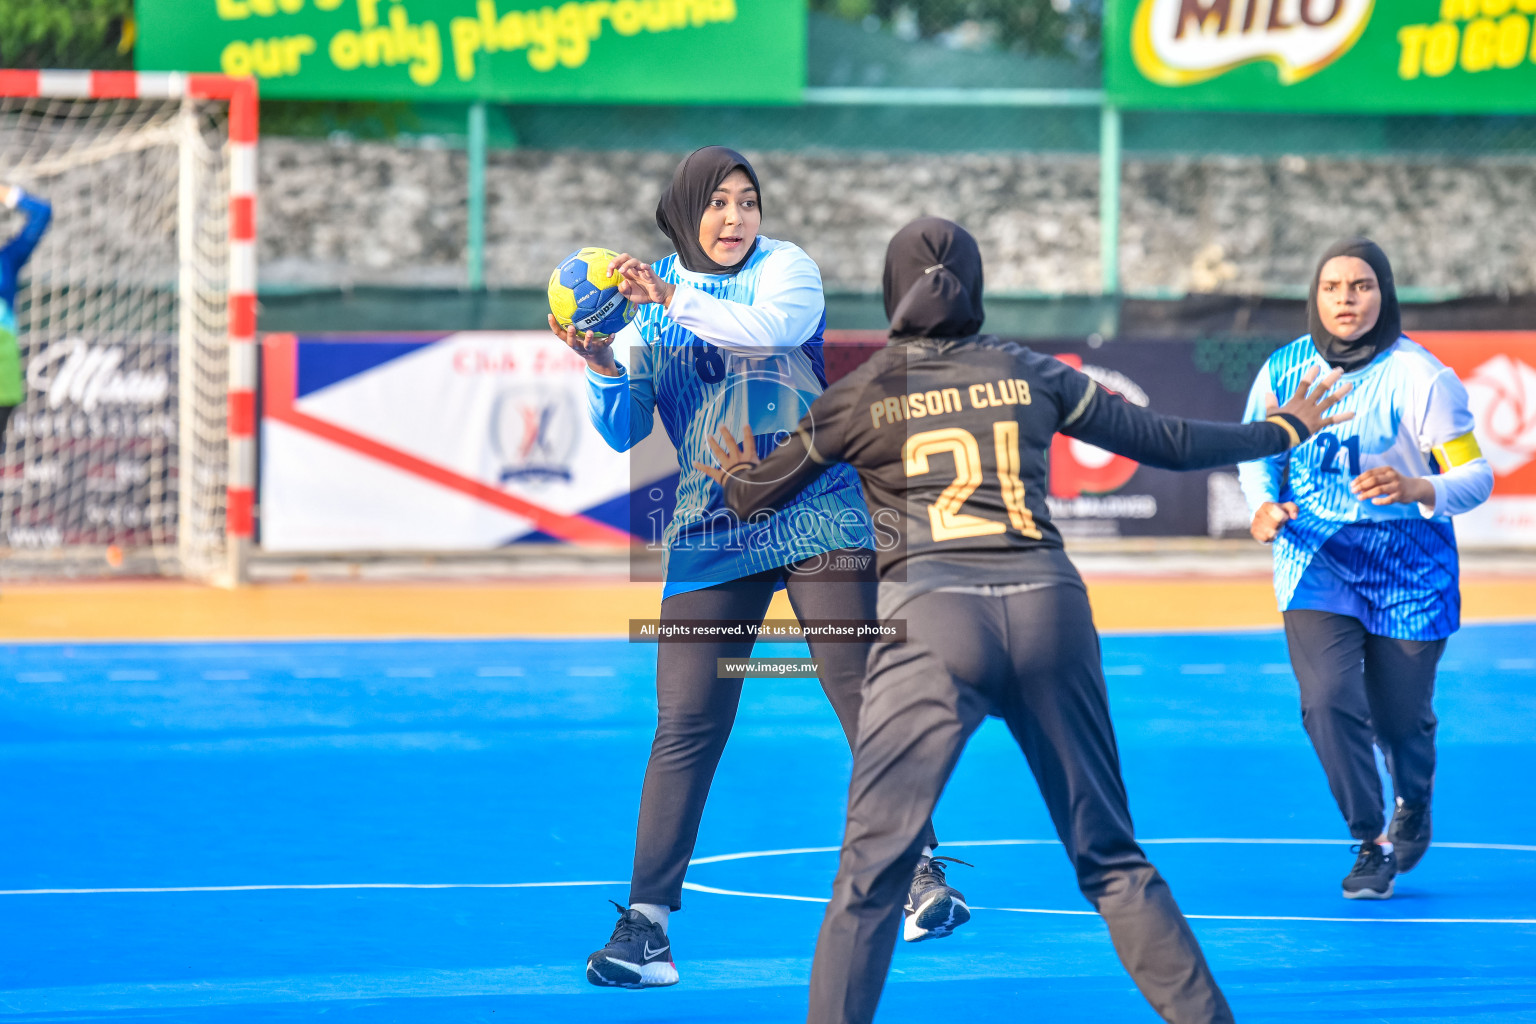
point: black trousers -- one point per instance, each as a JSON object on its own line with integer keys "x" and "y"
{"x": 5, "y": 417}
{"x": 1357, "y": 689}
{"x": 695, "y": 710}
{"x": 1033, "y": 659}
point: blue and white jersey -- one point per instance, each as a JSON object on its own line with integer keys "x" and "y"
{"x": 1394, "y": 567}
{"x": 731, "y": 350}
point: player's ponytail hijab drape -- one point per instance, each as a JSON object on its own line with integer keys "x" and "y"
{"x": 933, "y": 281}
{"x": 683, "y": 204}
{"x": 1352, "y": 355}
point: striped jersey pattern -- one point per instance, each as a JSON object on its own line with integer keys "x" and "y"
{"x": 696, "y": 387}
{"x": 1387, "y": 565}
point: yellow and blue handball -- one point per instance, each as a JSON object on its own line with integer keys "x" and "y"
{"x": 583, "y": 294}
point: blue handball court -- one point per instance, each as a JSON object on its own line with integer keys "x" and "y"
{"x": 430, "y": 831}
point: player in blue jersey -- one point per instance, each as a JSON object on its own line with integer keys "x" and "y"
{"x": 1365, "y": 556}
{"x": 728, "y": 333}
{"x": 13, "y": 256}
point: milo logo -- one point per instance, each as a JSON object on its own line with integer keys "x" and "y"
{"x": 1182, "y": 42}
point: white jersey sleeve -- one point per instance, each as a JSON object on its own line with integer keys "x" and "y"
{"x": 1446, "y": 431}
{"x": 784, "y": 312}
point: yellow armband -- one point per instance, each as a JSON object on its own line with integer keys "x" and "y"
{"x": 1457, "y": 452}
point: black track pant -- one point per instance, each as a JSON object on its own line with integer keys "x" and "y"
{"x": 1358, "y": 688}
{"x": 1033, "y": 659}
{"x": 695, "y": 710}
{"x": 5, "y": 416}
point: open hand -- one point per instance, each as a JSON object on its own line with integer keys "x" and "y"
{"x": 732, "y": 456}
{"x": 1270, "y": 517}
{"x": 1311, "y": 404}
{"x": 596, "y": 349}
{"x": 640, "y": 284}
{"x": 1386, "y": 486}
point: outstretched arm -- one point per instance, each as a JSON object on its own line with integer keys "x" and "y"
{"x": 751, "y": 486}
{"x": 1168, "y": 442}
{"x": 38, "y": 213}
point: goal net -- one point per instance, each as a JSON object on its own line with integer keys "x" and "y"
{"x": 131, "y": 451}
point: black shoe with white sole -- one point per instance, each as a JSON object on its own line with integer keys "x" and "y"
{"x": 1372, "y": 876}
{"x": 638, "y": 954}
{"x": 933, "y": 908}
{"x": 1409, "y": 834}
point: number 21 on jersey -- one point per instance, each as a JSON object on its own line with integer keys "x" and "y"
{"x": 945, "y": 517}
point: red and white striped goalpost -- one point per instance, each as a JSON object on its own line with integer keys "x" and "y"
{"x": 241, "y": 96}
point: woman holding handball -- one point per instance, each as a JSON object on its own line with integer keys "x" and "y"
{"x": 728, "y": 333}
{"x": 1365, "y": 556}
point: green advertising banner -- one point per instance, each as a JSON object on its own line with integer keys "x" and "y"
{"x": 1400, "y": 56}
{"x": 607, "y": 51}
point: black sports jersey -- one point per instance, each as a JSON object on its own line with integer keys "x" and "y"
{"x": 949, "y": 437}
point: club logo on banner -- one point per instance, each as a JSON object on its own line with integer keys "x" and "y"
{"x": 533, "y": 433}
{"x": 1182, "y": 42}
{"x": 1502, "y": 392}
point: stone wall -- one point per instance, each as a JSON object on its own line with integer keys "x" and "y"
{"x": 368, "y": 213}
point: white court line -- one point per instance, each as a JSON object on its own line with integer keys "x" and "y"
{"x": 696, "y": 887}
{"x": 1263, "y": 917}
{"x": 722, "y": 857}
{"x": 751, "y": 854}
{"x": 1200, "y": 841}
{"x": 332, "y": 885}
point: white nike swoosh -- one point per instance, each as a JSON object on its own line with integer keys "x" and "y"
{"x": 651, "y": 954}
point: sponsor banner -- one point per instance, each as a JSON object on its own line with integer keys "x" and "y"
{"x": 455, "y": 442}
{"x": 1095, "y": 493}
{"x": 516, "y": 51}
{"x": 1499, "y": 371}
{"x": 90, "y": 455}
{"x": 477, "y": 440}
{"x": 1406, "y": 56}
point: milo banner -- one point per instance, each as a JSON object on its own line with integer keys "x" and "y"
{"x": 1405, "y": 56}
{"x": 604, "y": 51}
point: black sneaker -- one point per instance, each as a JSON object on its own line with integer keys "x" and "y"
{"x": 1409, "y": 834}
{"x": 933, "y": 908}
{"x": 638, "y": 954}
{"x": 1372, "y": 877}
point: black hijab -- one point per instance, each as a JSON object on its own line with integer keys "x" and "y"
{"x": 1351, "y": 355}
{"x": 683, "y": 204}
{"x": 933, "y": 281}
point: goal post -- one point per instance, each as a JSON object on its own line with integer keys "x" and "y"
{"x": 134, "y": 447}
